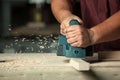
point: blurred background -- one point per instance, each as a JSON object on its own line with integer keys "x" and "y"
{"x": 28, "y": 26}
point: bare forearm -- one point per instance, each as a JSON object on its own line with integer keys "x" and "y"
{"x": 61, "y": 9}
{"x": 109, "y": 30}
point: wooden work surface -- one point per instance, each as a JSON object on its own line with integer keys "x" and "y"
{"x": 51, "y": 67}
{"x": 17, "y": 61}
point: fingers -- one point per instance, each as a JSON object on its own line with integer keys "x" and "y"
{"x": 77, "y": 41}
{"x": 78, "y": 36}
{"x": 62, "y": 29}
{"x": 65, "y": 23}
{"x": 72, "y": 39}
{"x": 74, "y": 31}
{"x": 76, "y": 44}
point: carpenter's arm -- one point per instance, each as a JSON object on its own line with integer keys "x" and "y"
{"x": 78, "y": 36}
{"x": 61, "y": 9}
{"x": 109, "y": 30}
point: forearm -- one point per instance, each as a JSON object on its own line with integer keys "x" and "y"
{"x": 61, "y": 9}
{"x": 108, "y": 30}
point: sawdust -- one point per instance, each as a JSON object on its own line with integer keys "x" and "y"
{"x": 32, "y": 43}
{"x": 28, "y": 61}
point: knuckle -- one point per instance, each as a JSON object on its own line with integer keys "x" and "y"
{"x": 67, "y": 36}
{"x": 68, "y": 41}
{"x": 72, "y": 45}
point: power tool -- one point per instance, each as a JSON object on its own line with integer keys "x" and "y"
{"x": 65, "y": 49}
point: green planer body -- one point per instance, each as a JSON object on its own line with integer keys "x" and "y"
{"x": 65, "y": 49}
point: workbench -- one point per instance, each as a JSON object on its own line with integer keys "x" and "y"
{"x": 48, "y": 66}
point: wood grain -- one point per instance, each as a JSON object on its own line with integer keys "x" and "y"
{"x": 79, "y": 64}
{"x": 109, "y": 55}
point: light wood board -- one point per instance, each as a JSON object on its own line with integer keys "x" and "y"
{"x": 109, "y": 55}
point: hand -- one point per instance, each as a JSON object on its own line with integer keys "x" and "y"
{"x": 79, "y": 36}
{"x": 65, "y": 23}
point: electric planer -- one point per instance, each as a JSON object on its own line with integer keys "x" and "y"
{"x": 65, "y": 49}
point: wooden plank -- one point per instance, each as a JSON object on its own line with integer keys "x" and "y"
{"x": 105, "y": 64}
{"x": 79, "y": 64}
{"x": 109, "y": 55}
